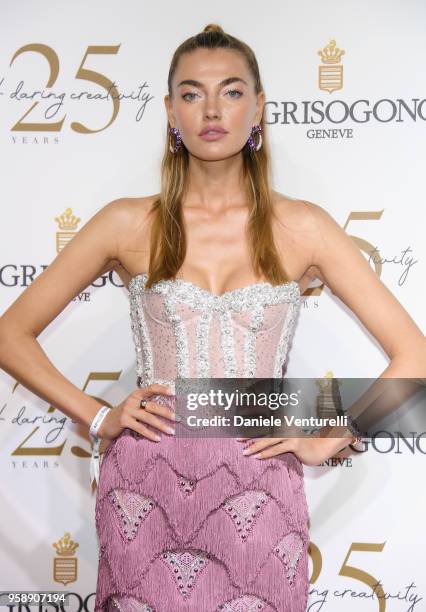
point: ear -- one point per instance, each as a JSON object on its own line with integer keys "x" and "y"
{"x": 260, "y": 103}
{"x": 169, "y": 110}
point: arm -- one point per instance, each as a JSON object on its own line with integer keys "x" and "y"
{"x": 342, "y": 267}
{"x": 336, "y": 260}
{"x": 92, "y": 251}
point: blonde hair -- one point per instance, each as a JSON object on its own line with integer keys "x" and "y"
{"x": 168, "y": 240}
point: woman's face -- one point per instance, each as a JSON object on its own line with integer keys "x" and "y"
{"x": 201, "y": 97}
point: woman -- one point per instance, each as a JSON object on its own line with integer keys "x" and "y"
{"x": 215, "y": 265}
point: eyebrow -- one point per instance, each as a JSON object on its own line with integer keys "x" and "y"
{"x": 227, "y": 81}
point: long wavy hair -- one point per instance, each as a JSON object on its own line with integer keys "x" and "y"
{"x": 168, "y": 240}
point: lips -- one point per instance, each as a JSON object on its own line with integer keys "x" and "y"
{"x": 213, "y": 129}
{"x": 213, "y": 135}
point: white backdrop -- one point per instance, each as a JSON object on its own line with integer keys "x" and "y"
{"x": 355, "y": 142}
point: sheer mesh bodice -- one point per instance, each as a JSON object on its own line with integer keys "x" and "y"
{"x": 192, "y": 524}
{"x": 183, "y": 330}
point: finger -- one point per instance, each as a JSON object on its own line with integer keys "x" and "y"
{"x": 154, "y": 388}
{"x": 162, "y": 400}
{"x": 130, "y": 422}
{"x": 143, "y": 430}
{"x": 261, "y": 444}
{"x": 276, "y": 449}
{"x": 156, "y": 407}
{"x": 160, "y": 410}
{"x": 143, "y": 415}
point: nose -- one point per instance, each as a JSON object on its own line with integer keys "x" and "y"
{"x": 212, "y": 108}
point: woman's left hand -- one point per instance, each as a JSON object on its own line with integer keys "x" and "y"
{"x": 309, "y": 450}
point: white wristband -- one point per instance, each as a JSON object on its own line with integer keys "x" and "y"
{"x": 96, "y": 442}
{"x": 96, "y": 423}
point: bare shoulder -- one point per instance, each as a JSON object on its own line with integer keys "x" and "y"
{"x": 127, "y": 213}
{"x": 340, "y": 264}
{"x": 94, "y": 250}
{"x": 136, "y": 209}
{"x": 134, "y": 237}
{"x": 129, "y": 218}
{"x": 296, "y": 234}
{"x": 298, "y": 216}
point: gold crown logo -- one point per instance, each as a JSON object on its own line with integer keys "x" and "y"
{"x": 331, "y": 54}
{"x": 326, "y": 383}
{"x": 65, "y": 547}
{"x": 67, "y": 221}
{"x": 330, "y": 72}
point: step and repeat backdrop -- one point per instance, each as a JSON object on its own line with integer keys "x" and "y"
{"x": 82, "y": 123}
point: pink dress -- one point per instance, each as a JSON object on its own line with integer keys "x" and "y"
{"x": 191, "y": 524}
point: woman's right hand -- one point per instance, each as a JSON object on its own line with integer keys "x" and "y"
{"x": 130, "y": 414}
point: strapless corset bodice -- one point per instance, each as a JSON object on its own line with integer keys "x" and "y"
{"x": 182, "y": 330}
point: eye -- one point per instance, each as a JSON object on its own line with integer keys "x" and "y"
{"x": 231, "y": 91}
{"x": 188, "y": 94}
{"x": 235, "y": 91}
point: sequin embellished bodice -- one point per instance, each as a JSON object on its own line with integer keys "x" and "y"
{"x": 182, "y": 330}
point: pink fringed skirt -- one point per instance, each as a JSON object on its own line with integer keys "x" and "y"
{"x": 191, "y": 524}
